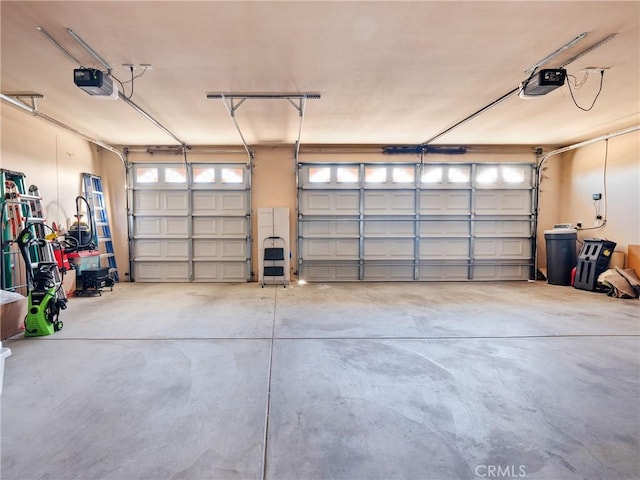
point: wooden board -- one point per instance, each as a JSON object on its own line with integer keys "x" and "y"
{"x": 633, "y": 257}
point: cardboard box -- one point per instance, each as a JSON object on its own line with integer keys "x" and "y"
{"x": 69, "y": 282}
{"x": 13, "y": 309}
{"x": 633, "y": 257}
{"x": 617, "y": 259}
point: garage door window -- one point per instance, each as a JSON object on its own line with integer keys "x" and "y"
{"x": 204, "y": 175}
{"x": 320, "y": 175}
{"x": 403, "y": 174}
{"x": 347, "y": 175}
{"x": 175, "y": 175}
{"x": 459, "y": 175}
{"x": 432, "y": 175}
{"x": 232, "y": 175}
{"x": 487, "y": 175}
{"x": 513, "y": 175}
{"x": 375, "y": 175}
{"x": 146, "y": 175}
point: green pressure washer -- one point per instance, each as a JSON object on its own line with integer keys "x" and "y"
{"x": 44, "y": 303}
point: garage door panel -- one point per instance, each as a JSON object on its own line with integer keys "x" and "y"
{"x": 160, "y": 226}
{"x": 502, "y": 248}
{"x": 328, "y": 249}
{"x": 346, "y": 202}
{"x": 501, "y": 272}
{"x": 149, "y": 226}
{"x": 219, "y": 271}
{"x": 206, "y": 202}
{"x": 220, "y": 227}
{"x": 389, "y": 202}
{"x": 389, "y": 228}
{"x": 503, "y": 202}
{"x": 497, "y": 228}
{"x": 155, "y": 248}
{"x": 148, "y": 249}
{"x": 332, "y": 273}
{"x": 445, "y": 228}
{"x": 233, "y": 203}
{"x": 388, "y": 248}
{"x": 206, "y": 249}
{"x": 314, "y": 202}
{"x": 176, "y": 248}
{"x": 445, "y": 202}
{"x": 233, "y": 227}
{"x": 443, "y": 272}
{"x": 431, "y": 248}
{"x": 330, "y": 228}
{"x": 396, "y": 273}
{"x": 171, "y": 202}
{"x": 162, "y": 271}
{"x": 175, "y": 226}
{"x": 147, "y": 202}
{"x": 233, "y": 249}
{"x": 219, "y": 249}
{"x": 176, "y": 202}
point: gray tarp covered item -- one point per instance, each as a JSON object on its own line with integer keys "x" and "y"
{"x": 620, "y": 283}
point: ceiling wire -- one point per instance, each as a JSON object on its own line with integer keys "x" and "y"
{"x": 594, "y": 100}
{"x": 596, "y": 203}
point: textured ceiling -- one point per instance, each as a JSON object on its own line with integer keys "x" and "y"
{"x": 388, "y": 72}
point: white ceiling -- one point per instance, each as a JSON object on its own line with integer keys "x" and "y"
{"x": 388, "y": 72}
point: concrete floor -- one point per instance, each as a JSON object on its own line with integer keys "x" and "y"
{"x": 429, "y": 381}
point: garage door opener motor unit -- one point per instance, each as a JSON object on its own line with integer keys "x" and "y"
{"x": 543, "y": 82}
{"x": 94, "y": 82}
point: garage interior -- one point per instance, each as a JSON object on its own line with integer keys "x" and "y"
{"x": 329, "y": 225}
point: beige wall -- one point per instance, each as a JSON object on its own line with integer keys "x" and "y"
{"x": 583, "y": 174}
{"x": 273, "y": 184}
{"x": 549, "y": 211}
{"x": 112, "y": 172}
{"x": 50, "y": 157}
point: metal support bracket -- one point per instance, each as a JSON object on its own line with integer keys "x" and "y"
{"x": 233, "y": 101}
{"x": 21, "y": 96}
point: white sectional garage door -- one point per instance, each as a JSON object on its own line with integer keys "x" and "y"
{"x": 190, "y": 222}
{"x": 415, "y": 222}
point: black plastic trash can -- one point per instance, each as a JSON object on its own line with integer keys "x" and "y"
{"x": 561, "y": 254}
